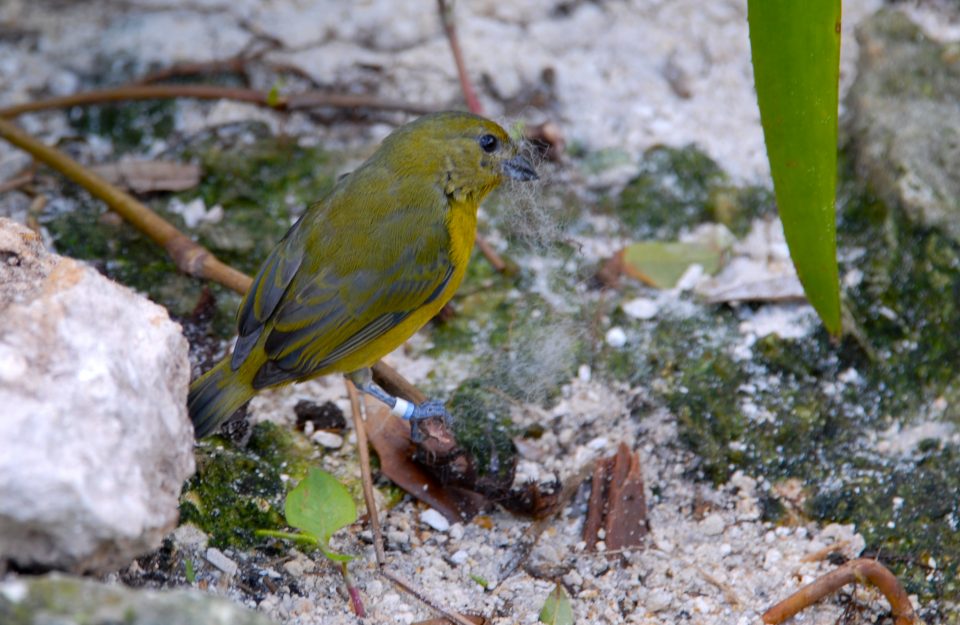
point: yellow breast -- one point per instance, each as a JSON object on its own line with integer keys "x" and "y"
{"x": 462, "y": 227}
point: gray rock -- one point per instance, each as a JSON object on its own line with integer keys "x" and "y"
{"x": 905, "y": 119}
{"x": 74, "y": 601}
{"x": 95, "y": 436}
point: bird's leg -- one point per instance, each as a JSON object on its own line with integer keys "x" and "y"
{"x": 408, "y": 411}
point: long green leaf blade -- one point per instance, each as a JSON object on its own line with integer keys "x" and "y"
{"x": 795, "y": 46}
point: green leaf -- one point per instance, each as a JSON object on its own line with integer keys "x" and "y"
{"x": 661, "y": 264}
{"x": 557, "y": 609}
{"x": 273, "y": 97}
{"x": 796, "y": 55}
{"x": 320, "y": 506}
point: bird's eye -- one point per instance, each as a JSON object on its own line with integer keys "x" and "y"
{"x": 489, "y": 143}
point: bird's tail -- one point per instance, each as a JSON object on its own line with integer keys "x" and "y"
{"x": 215, "y": 396}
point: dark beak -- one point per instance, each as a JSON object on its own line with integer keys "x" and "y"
{"x": 519, "y": 168}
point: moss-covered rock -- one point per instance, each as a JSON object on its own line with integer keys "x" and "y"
{"x": 678, "y": 188}
{"x": 483, "y": 428}
{"x": 236, "y": 492}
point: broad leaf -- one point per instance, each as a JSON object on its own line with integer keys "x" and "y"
{"x": 320, "y": 505}
{"x": 557, "y": 609}
{"x": 661, "y": 264}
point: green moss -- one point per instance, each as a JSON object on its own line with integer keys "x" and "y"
{"x": 801, "y": 408}
{"x": 909, "y": 514}
{"x": 678, "y": 188}
{"x": 262, "y": 185}
{"x": 130, "y": 126}
{"x": 483, "y": 427}
{"x": 238, "y": 491}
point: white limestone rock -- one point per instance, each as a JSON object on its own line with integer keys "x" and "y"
{"x": 94, "y": 430}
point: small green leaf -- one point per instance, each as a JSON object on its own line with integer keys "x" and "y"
{"x": 661, "y": 264}
{"x": 796, "y": 54}
{"x": 557, "y": 609}
{"x": 273, "y": 97}
{"x": 480, "y": 580}
{"x": 320, "y": 506}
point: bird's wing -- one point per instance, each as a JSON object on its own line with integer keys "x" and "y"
{"x": 325, "y": 316}
{"x": 268, "y": 287}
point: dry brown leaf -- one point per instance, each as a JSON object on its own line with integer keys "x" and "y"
{"x": 150, "y": 176}
{"x": 617, "y": 502}
{"x": 390, "y": 437}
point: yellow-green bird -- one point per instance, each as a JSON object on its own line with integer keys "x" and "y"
{"x": 365, "y": 267}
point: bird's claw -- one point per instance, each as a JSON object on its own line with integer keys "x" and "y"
{"x": 430, "y": 409}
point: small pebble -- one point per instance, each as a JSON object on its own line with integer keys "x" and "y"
{"x": 712, "y": 525}
{"x": 189, "y": 535}
{"x": 218, "y": 559}
{"x": 435, "y": 520}
{"x": 772, "y": 558}
{"x": 599, "y": 443}
{"x": 456, "y": 531}
{"x": 658, "y": 600}
{"x": 641, "y": 308}
{"x": 459, "y": 557}
{"x": 327, "y": 439}
{"x": 616, "y": 337}
{"x": 584, "y": 373}
{"x": 573, "y": 578}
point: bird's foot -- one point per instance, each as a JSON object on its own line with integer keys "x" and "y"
{"x": 418, "y": 413}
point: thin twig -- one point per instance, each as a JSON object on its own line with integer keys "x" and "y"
{"x": 408, "y": 587}
{"x": 12, "y": 184}
{"x": 450, "y": 29}
{"x": 359, "y": 410}
{"x": 862, "y": 570}
{"x": 189, "y": 257}
{"x": 233, "y": 65}
{"x": 395, "y": 384}
{"x": 310, "y": 99}
{"x": 491, "y": 255}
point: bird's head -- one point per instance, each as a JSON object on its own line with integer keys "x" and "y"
{"x": 466, "y": 155}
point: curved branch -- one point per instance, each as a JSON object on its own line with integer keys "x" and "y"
{"x": 861, "y": 570}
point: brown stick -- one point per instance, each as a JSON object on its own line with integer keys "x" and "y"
{"x": 450, "y": 29}
{"x": 359, "y": 426}
{"x": 189, "y": 257}
{"x": 862, "y": 570}
{"x": 233, "y": 65}
{"x": 17, "y": 181}
{"x": 490, "y": 254}
{"x": 306, "y": 100}
{"x": 395, "y": 384}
